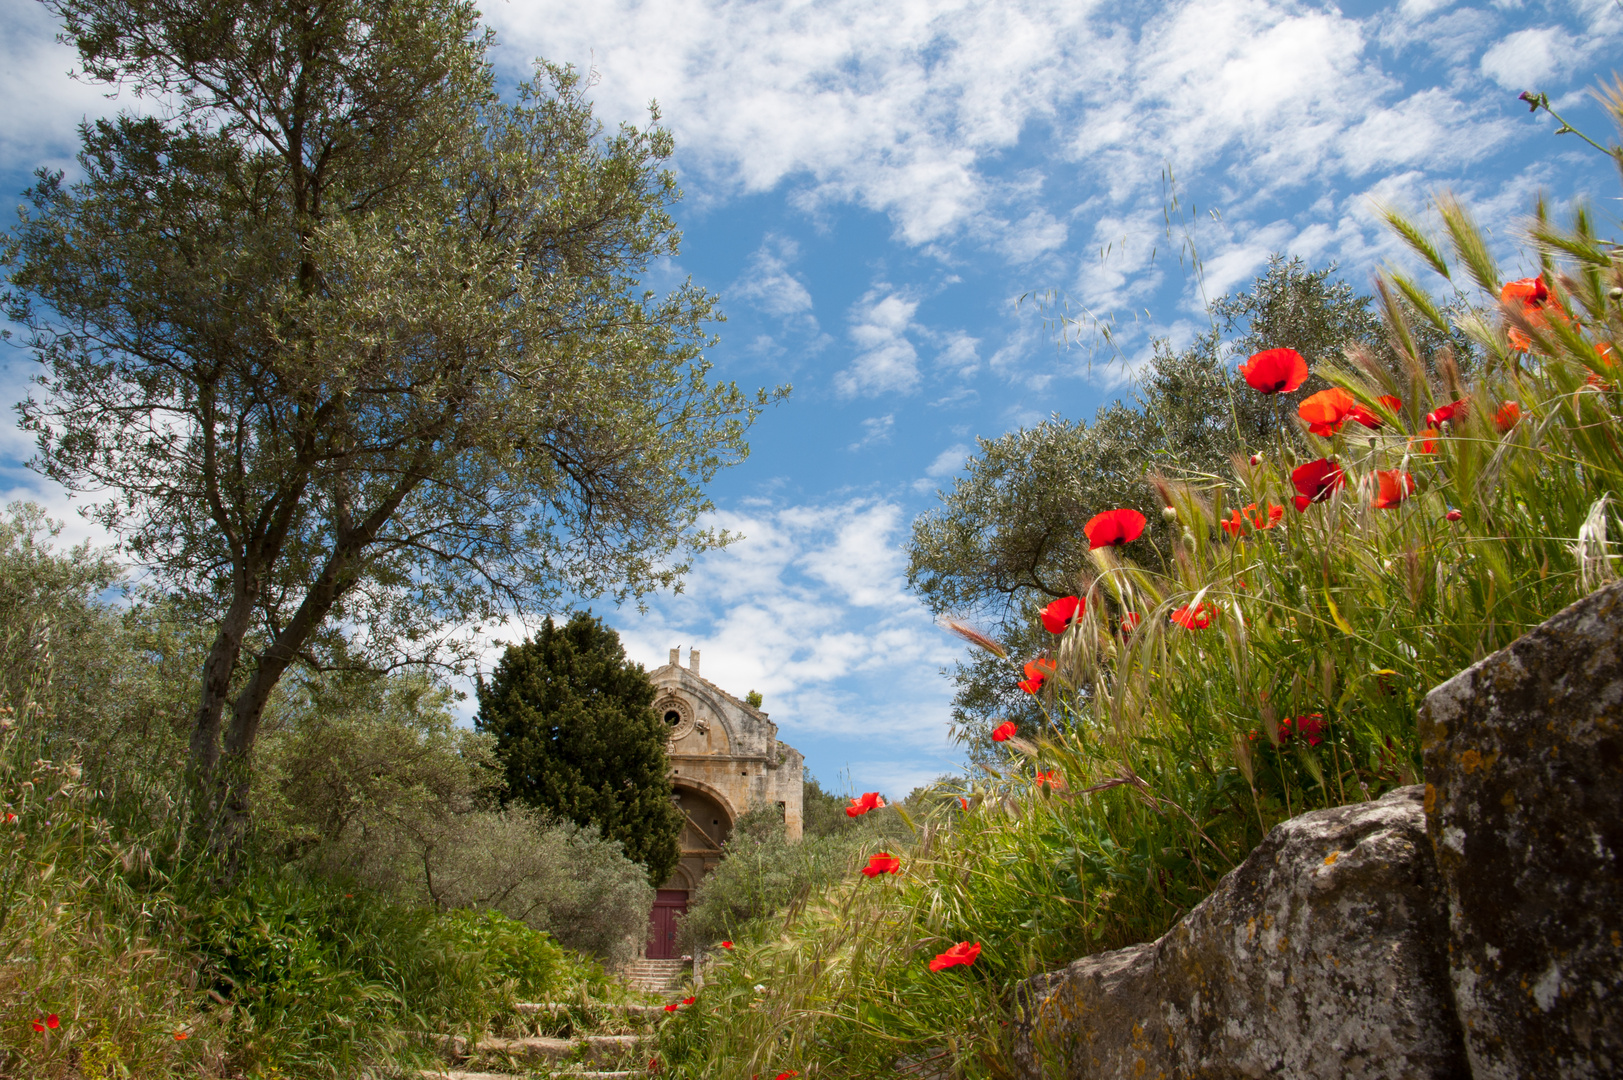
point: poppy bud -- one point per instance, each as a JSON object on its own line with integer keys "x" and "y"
{"x": 1169, "y": 513}
{"x": 1255, "y": 460}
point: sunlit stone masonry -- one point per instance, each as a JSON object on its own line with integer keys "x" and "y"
{"x": 725, "y": 760}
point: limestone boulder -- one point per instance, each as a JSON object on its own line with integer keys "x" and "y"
{"x": 1524, "y": 798}
{"x": 1321, "y": 955}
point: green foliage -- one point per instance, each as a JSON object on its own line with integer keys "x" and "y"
{"x": 821, "y": 813}
{"x": 354, "y": 755}
{"x": 359, "y": 343}
{"x": 316, "y": 968}
{"x": 369, "y": 779}
{"x": 1007, "y": 537}
{"x": 320, "y": 982}
{"x": 79, "y": 939}
{"x": 577, "y": 738}
{"x": 1177, "y": 747}
{"x": 762, "y": 874}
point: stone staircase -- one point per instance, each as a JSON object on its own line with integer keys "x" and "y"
{"x": 588, "y": 1054}
{"x": 657, "y": 976}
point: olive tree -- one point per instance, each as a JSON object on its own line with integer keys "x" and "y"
{"x": 358, "y": 347}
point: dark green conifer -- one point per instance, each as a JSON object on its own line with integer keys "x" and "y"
{"x": 577, "y": 734}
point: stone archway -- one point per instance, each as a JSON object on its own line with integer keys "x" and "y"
{"x": 709, "y": 823}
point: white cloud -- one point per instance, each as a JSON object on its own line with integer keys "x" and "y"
{"x": 946, "y": 463}
{"x": 1525, "y": 59}
{"x": 875, "y": 431}
{"x": 769, "y": 285}
{"x": 959, "y": 354}
{"x": 887, "y": 362}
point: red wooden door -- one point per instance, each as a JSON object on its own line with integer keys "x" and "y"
{"x": 669, "y": 906}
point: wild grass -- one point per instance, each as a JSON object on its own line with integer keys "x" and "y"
{"x": 1178, "y": 742}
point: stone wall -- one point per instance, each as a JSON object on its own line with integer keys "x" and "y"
{"x": 1470, "y": 928}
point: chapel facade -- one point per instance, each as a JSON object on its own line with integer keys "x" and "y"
{"x": 725, "y": 760}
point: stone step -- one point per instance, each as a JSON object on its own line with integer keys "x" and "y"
{"x": 458, "y": 1074}
{"x": 656, "y": 976}
{"x": 531, "y": 1008}
{"x": 597, "y": 1047}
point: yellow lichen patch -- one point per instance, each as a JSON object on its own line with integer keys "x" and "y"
{"x": 1471, "y": 761}
{"x": 1431, "y": 798}
{"x": 1330, "y": 859}
{"x": 1509, "y": 800}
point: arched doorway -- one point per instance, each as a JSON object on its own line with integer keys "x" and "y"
{"x": 709, "y": 823}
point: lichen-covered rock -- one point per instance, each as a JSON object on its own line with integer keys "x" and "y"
{"x": 1321, "y": 955}
{"x": 1524, "y": 799}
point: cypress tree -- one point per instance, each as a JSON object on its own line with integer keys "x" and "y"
{"x": 577, "y": 735}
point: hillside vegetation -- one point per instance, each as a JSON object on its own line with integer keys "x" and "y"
{"x": 1259, "y": 654}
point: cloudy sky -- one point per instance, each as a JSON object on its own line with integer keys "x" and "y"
{"x": 873, "y": 189}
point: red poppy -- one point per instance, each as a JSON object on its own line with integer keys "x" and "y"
{"x": 52, "y": 1022}
{"x": 882, "y": 863}
{"x": 1527, "y": 292}
{"x": 963, "y": 802}
{"x": 726, "y": 944}
{"x": 961, "y": 953}
{"x": 1113, "y": 528}
{"x": 1508, "y": 416}
{"x": 1037, "y": 672}
{"x": 1452, "y": 515}
{"x": 1392, "y": 487}
{"x": 1428, "y": 441}
{"x": 1311, "y": 728}
{"x": 1370, "y": 419}
{"x": 1005, "y": 729}
{"x": 1447, "y": 412}
{"x": 1275, "y": 370}
{"x": 1300, "y": 502}
{"x": 1531, "y": 297}
{"x": 671, "y": 1007}
{"x": 1316, "y": 480}
{"x": 1603, "y": 351}
{"x": 869, "y": 801}
{"x": 39, "y": 1025}
{"x": 688, "y": 1000}
{"x": 1237, "y": 520}
{"x": 1051, "y": 778}
{"x": 182, "y": 1036}
{"x": 787, "y": 1075}
{"x": 1130, "y": 621}
{"x": 1327, "y": 410}
{"x": 10, "y": 818}
{"x": 1062, "y": 612}
{"x": 1197, "y": 618}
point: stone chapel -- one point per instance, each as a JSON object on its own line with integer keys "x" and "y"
{"x": 725, "y": 760}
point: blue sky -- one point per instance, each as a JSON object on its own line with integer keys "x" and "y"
{"x": 872, "y": 188}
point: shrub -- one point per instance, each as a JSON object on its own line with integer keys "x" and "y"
{"x": 762, "y": 874}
